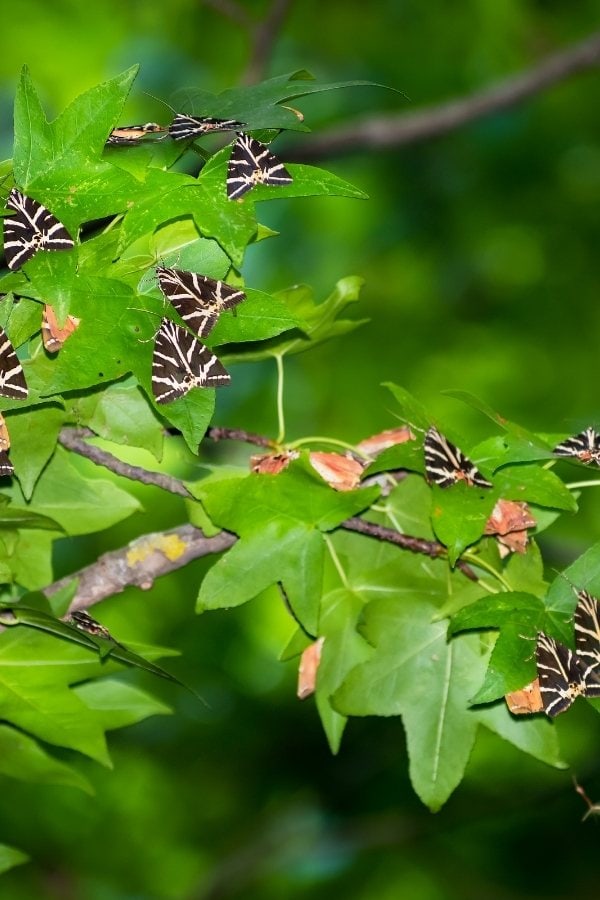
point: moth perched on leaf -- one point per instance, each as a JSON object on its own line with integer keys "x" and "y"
{"x": 446, "y": 465}
{"x": 132, "y": 134}
{"x": 252, "y": 163}
{"x": 584, "y": 446}
{"x": 180, "y": 362}
{"x": 563, "y": 675}
{"x": 183, "y": 126}
{"x": 84, "y": 622}
{"x": 198, "y": 299}
{"x": 12, "y": 378}
{"x": 53, "y": 335}
{"x": 32, "y": 228}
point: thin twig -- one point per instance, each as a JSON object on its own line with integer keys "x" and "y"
{"x": 238, "y": 434}
{"x": 231, "y": 10}
{"x": 74, "y": 439}
{"x": 383, "y": 131}
{"x": 432, "y": 549}
{"x": 265, "y": 34}
{"x": 140, "y": 563}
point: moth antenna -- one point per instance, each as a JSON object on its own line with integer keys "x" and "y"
{"x": 159, "y": 100}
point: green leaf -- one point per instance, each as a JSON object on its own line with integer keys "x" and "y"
{"x": 519, "y": 616}
{"x": 279, "y": 552}
{"x": 459, "y": 514}
{"x": 259, "y": 105}
{"x": 118, "y": 704}
{"x": 343, "y": 649}
{"x": 534, "y": 735}
{"x": 534, "y": 485}
{"x": 23, "y": 758}
{"x": 11, "y": 857}
{"x": 79, "y": 505}
{"x": 33, "y": 436}
{"x": 37, "y": 698}
{"x": 318, "y": 322}
{"x": 414, "y": 672}
{"x": 121, "y": 413}
{"x": 259, "y": 317}
{"x": 60, "y": 163}
{"x": 411, "y": 410}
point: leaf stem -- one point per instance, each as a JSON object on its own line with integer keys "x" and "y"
{"x": 488, "y": 567}
{"x": 336, "y": 561}
{"x": 319, "y": 439}
{"x": 574, "y": 485}
{"x": 280, "y": 414}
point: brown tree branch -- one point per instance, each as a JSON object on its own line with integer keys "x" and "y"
{"x": 432, "y": 549}
{"x": 148, "y": 557}
{"x": 238, "y": 434}
{"x": 265, "y": 34}
{"x": 385, "y": 131}
{"x": 140, "y": 563}
{"x": 73, "y": 439}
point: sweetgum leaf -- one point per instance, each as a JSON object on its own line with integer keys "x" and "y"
{"x": 118, "y": 703}
{"x": 79, "y": 505}
{"x": 22, "y": 757}
{"x": 534, "y": 735}
{"x": 459, "y": 514}
{"x": 281, "y": 552}
{"x": 412, "y": 410}
{"x": 519, "y": 616}
{"x": 259, "y": 105}
{"x": 60, "y": 163}
{"x": 414, "y": 672}
{"x": 316, "y": 322}
{"x": 33, "y": 436}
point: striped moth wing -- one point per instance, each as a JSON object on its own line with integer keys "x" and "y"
{"x": 199, "y": 300}
{"x": 180, "y": 362}
{"x": 31, "y": 228}
{"x": 584, "y": 446}
{"x": 252, "y": 163}
{"x": 12, "y": 378}
{"x": 132, "y": 134}
{"x": 52, "y": 335}
{"x": 587, "y": 640}
{"x": 184, "y": 126}
{"x": 446, "y": 465}
{"x": 561, "y": 673}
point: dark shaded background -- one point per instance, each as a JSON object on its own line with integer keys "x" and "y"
{"x": 479, "y": 251}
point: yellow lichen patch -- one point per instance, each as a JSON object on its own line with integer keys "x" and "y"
{"x": 170, "y": 545}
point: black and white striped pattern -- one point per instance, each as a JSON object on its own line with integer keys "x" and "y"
{"x": 84, "y": 622}
{"x": 445, "y": 464}
{"x": 180, "y": 363}
{"x": 561, "y": 674}
{"x": 193, "y": 126}
{"x": 33, "y": 228}
{"x": 132, "y": 134}
{"x": 12, "y": 379}
{"x": 565, "y": 675}
{"x": 252, "y": 163}
{"x": 587, "y": 633}
{"x": 198, "y": 299}
{"x": 584, "y": 446}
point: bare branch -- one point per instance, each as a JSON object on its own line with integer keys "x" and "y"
{"x": 231, "y": 10}
{"x": 406, "y": 541}
{"x": 73, "y": 439}
{"x": 265, "y": 35}
{"x": 383, "y": 131}
{"x": 238, "y": 434}
{"x": 140, "y": 563}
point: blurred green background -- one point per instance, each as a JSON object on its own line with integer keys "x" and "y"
{"x": 479, "y": 252}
